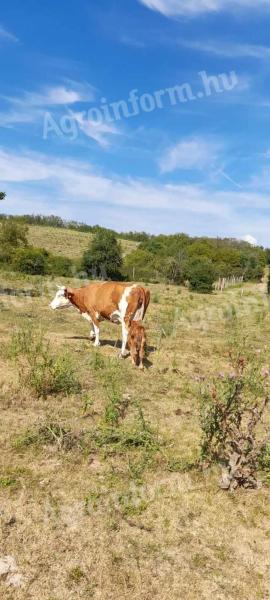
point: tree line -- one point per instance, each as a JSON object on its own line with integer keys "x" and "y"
{"x": 175, "y": 259}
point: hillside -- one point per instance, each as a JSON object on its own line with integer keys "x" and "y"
{"x": 66, "y": 242}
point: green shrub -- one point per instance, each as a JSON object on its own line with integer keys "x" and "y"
{"x": 201, "y": 275}
{"x": 139, "y": 265}
{"x": 59, "y": 265}
{"x": 32, "y": 261}
{"x": 39, "y": 369}
{"x": 48, "y": 434}
{"x": 103, "y": 259}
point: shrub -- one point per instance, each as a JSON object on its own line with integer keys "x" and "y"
{"x": 48, "y": 433}
{"x": 103, "y": 259}
{"x": 139, "y": 265}
{"x": 232, "y": 406}
{"x": 59, "y": 265}
{"x": 32, "y": 261}
{"x": 201, "y": 275}
{"x": 13, "y": 234}
{"x": 39, "y": 369}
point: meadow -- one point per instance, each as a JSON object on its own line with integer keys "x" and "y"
{"x": 66, "y": 242}
{"x": 100, "y": 494}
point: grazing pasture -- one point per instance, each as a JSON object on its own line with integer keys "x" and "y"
{"x": 100, "y": 492}
{"x": 67, "y": 242}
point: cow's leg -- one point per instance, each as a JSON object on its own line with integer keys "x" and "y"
{"x": 96, "y": 334}
{"x": 92, "y": 333}
{"x": 124, "y": 339}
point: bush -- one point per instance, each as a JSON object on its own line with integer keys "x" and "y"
{"x": 39, "y": 369}
{"x": 232, "y": 407}
{"x": 139, "y": 265}
{"x": 103, "y": 259}
{"x": 32, "y": 261}
{"x": 201, "y": 275}
{"x": 12, "y": 237}
{"x": 13, "y": 234}
{"x": 59, "y": 265}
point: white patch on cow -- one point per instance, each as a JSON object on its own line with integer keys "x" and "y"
{"x": 123, "y": 304}
{"x": 59, "y": 300}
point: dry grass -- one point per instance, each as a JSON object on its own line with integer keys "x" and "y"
{"x": 66, "y": 242}
{"x": 108, "y": 520}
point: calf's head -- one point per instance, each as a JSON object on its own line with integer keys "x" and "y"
{"x": 61, "y": 299}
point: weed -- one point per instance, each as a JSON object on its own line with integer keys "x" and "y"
{"x": 38, "y": 367}
{"x": 131, "y": 506}
{"x": 181, "y": 465}
{"x": 97, "y": 362}
{"x": 92, "y": 499}
{"x": 76, "y": 575}
{"x": 115, "y": 439}
{"x": 8, "y": 481}
{"x": 87, "y": 403}
{"x": 232, "y": 406}
{"x": 48, "y": 434}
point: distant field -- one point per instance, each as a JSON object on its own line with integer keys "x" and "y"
{"x": 66, "y": 242}
{"x": 116, "y": 514}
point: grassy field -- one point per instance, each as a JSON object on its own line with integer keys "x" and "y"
{"x": 66, "y": 242}
{"x": 97, "y": 500}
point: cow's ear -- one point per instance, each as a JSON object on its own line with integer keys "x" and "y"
{"x": 68, "y": 293}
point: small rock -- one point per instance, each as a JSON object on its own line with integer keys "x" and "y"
{"x": 7, "y": 565}
{"x": 9, "y": 569}
{"x": 16, "y": 580}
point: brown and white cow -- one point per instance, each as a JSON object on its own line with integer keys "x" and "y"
{"x": 106, "y": 301}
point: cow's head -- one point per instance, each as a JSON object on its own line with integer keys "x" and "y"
{"x": 61, "y": 299}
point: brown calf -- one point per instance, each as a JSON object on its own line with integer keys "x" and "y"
{"x": 137, "y": 343}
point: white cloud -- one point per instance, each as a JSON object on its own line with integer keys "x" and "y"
{"x": 76, "y": 190}
{"x": 250, "y": 240}
{"x": 191, "y": 153}
{"x": 7, "y": 35}
{"x": 174, "y": 8}
{"x": 32, "y": 107}
{"x": 98, "y": 131}
{"x": 228, "y": 49}
{"x": 55, "y": 96}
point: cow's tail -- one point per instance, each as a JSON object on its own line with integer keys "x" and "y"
{"x": 143, "y": 300}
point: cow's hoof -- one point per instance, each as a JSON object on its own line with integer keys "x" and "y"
{"x": 97, "y": 344}
{"x": 122, "y": 356}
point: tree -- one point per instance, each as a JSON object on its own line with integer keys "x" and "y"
{"x": 201, "y": 275}
{"x": 13, "y": 234}
{"x": 139, "y": 265}
{"x": 103, "y": 258}
{"x": 2, "y": 195}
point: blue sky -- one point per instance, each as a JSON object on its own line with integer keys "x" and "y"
{"x": 108, "y": 115}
